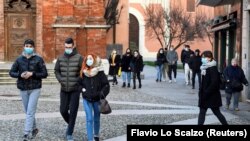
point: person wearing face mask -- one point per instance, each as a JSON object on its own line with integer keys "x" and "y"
{"x": 136, "y": 66}
{"x": 67, "y": 72}
{"x": 160, "y": 60}
{"x": 29, "y": 69}
{"x": 185, "y": 58}
{"x": 195, "y": 64}
{"x": 95, "y": 86}
{"x": 209, "y": 92}
{"x": 235, "y": 77}
{"x": 114, "y": 62}
{"x": 172, "y": 58}
{"x": 126, "y": 70}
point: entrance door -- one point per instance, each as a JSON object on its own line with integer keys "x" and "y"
{"x": 133, "y": 33}
{"x": 19, "y": 28}
{"x": 19, "y": 22}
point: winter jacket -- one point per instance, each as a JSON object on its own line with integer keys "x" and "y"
{"x": 234, "y": 73}
{"x": 195, "y": 63}
{"x": 185, "y": 55}
{"x": 125, "y": 63}
{"x": 113, "y": 70}
{"x": 67, "y": 71}
{"x": 95, "y": 87}
{"x": 172, "y": 57}
{"x": 160, "y": 59}
{"x": 136, "y": 64}
{"x": 209, "y": 93}
{"x": 33, "y": 64}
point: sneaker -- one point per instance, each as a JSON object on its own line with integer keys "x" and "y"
{"x": 186, "y": 83}
{"x": 70, "y": 138}
{"x": 96, "y": 138}
{"x": 34, "y": 133}
{"x": 170, "y": 81}
{"x": 175, "y": 80}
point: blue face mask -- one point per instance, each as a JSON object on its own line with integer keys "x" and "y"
{"x": 68, "y": 50}
{"x": 28, "y": 50}
{"x": 90, "y": 62}
{"x": 204, "y": 60}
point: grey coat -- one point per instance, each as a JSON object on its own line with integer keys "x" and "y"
{"x": 172, "y": 57}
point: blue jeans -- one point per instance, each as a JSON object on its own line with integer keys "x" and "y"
{"x": 126, "y": 74}
{"x": 92, "y": 121}
{"x": 30, "y": 99}
{"x": 236, "y": 98}
{"x": 159, "y": 71}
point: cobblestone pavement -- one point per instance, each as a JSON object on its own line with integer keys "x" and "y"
{"x": 154, "y": 103}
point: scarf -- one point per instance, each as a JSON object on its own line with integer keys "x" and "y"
{"x": 207, "y": 65}
{"x": 98, "y": 66}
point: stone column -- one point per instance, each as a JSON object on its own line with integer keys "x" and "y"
{"x": 245, "y": 47}
{"x": 2, "y": 41}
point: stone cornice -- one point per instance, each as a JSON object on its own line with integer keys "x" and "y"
{"x": 80, "y": 26}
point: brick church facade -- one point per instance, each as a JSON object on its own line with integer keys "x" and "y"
{"x": 49, "y": 22}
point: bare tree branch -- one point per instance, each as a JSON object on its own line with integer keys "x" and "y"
{"x": 175, "y": 25}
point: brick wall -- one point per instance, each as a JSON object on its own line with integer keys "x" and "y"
{"x": 73, "y": 12}
{"x": 2, "y": 43}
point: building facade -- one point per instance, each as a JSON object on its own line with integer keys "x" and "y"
{"x": 231, "y": 29}
{"x": 49, "y": 22}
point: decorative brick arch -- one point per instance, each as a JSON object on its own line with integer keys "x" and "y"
{"x": 140, "y": 19}
{"x": 142, "y": 47}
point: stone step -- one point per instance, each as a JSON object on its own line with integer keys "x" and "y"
{"x": 14, "y": 83}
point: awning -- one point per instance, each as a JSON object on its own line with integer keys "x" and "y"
{"x": 214, "y": 3}
{"x": 223, "y": 25}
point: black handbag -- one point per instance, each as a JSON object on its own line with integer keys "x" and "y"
{"x": 236, "y": 85}
{"x": 104, "y": 107}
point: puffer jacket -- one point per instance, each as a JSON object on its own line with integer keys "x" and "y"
{"x": 67, "y": 71}
{"x": 33, "y": 64}
{"x": 97, "y": 86}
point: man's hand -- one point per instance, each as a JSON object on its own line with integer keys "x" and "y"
{"x": 26, "y": 74}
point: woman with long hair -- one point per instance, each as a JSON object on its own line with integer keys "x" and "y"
{"x": 95, "y": 86}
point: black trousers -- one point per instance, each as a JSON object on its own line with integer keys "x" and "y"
{"x": 138, "y": 76}
{"x": 172, "y": 68}
{"x": 217, "y": 113}
{"x": 199, "y": 77}
{"x": 69, "y": 103}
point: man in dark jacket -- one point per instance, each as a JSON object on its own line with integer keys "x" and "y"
{"x": 185, "y": 57}
{"x": 67, "y": 71}
{"x": 29, "y": 69}
{"x": 195, "y": 64}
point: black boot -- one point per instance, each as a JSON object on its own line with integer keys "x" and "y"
{"x": 139, "y": 85}
{"x": 124, "y": 84}
{"x": 128, "y": 85}
{"x": 134, "y": 87}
